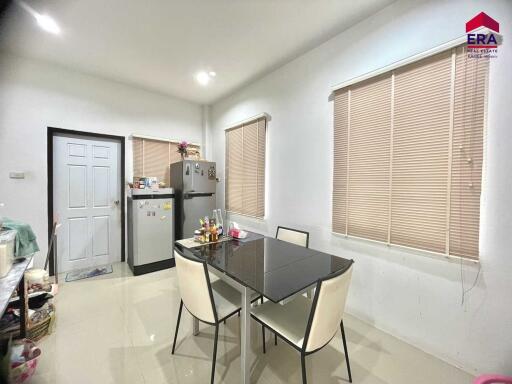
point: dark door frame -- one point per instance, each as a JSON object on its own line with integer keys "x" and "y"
{"x": 52, "y": 131}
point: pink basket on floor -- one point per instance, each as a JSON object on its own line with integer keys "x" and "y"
{"x": 21, "y": 372}
{"x": 493, "y": 379}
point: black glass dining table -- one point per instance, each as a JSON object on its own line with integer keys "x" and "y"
{"x": 276, "y": 269}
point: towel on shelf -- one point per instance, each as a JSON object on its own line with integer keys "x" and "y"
{"x": 25, "y": 242}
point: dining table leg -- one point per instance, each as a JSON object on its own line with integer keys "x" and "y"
{"x": 245, "y": 322}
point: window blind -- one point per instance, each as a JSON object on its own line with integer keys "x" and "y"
{"x": 245, "y": 168}
{"x": 408, "y": 153}
{"x": 151, "y": 158}
{"x": 156, "y": 159}
{"x": 471, "y": 79}
{"x": 369, "y": 143}
{"x": 422, "y": 100}
{"x": 138, "y": 157}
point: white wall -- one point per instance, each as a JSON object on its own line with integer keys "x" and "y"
{"x": 415, "y": 297}
{"x": 35, "y": 95}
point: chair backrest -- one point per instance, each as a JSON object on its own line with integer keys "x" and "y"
{"x": 327, "y": 310}
{"x": 195, "y": 288}
{"x": 294, "y": 236}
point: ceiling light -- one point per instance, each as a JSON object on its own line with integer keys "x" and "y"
{"x": 203, "y": 78}
{"x": 47, "y": 23}
{"x": 212, "y": 74}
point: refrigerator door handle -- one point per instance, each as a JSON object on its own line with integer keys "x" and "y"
{"x": 191, "y": 195}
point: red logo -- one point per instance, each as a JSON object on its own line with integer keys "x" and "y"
{"x": 482, "y": 20}
{"x": 482, "y": 40}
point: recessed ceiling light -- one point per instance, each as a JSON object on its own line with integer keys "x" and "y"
{"x": 203, "y": 78}
{"x": 47, "y": 23}
{"x": 212, "y": 73}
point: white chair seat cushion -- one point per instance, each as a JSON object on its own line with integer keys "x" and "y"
{"x": 290, "y": 320}
{"x": 227, "y": 299}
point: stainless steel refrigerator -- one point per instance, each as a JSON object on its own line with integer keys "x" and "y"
{"x": 194, "y": 183}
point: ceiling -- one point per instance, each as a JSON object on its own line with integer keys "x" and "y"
{"x": 161, "y": 44}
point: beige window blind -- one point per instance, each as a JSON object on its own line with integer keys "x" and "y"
{"x": 470, "y": 99}
{"x": 368, "y": 186}
{"x": 151, "y": 158}
{"x": 408, "y": 153}
{"x": 245, "y": 168}
{"x": 421, "y": 134}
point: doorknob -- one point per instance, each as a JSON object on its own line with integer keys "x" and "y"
{"x": 116, "y": 202}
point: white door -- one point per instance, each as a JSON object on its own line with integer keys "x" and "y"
{"x": 86, "y": 201}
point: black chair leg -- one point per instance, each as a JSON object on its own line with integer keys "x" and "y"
{"x": 215, "y": 351}
{"x": 261, "y": 299}
{"x": 303, "y": 363}
{"x": 275, "y": 338}
{"x": 346, "y": 350}
{"x": 263, "y": 334}
{"x": 177, "y": 326}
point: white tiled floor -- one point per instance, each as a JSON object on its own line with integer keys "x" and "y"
{"x": 118, "y": 329}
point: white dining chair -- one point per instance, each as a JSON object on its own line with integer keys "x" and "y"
{"x": 291, "y": 235}
{"x": 307, "y": 325}
{"x": 294, "y": 236}
{"x": 209, "y": 302}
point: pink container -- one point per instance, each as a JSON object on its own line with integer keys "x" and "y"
{"x": 234, "y": 232}
{"x": 24, "y": 364}
{"x": 493, "y": 379}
